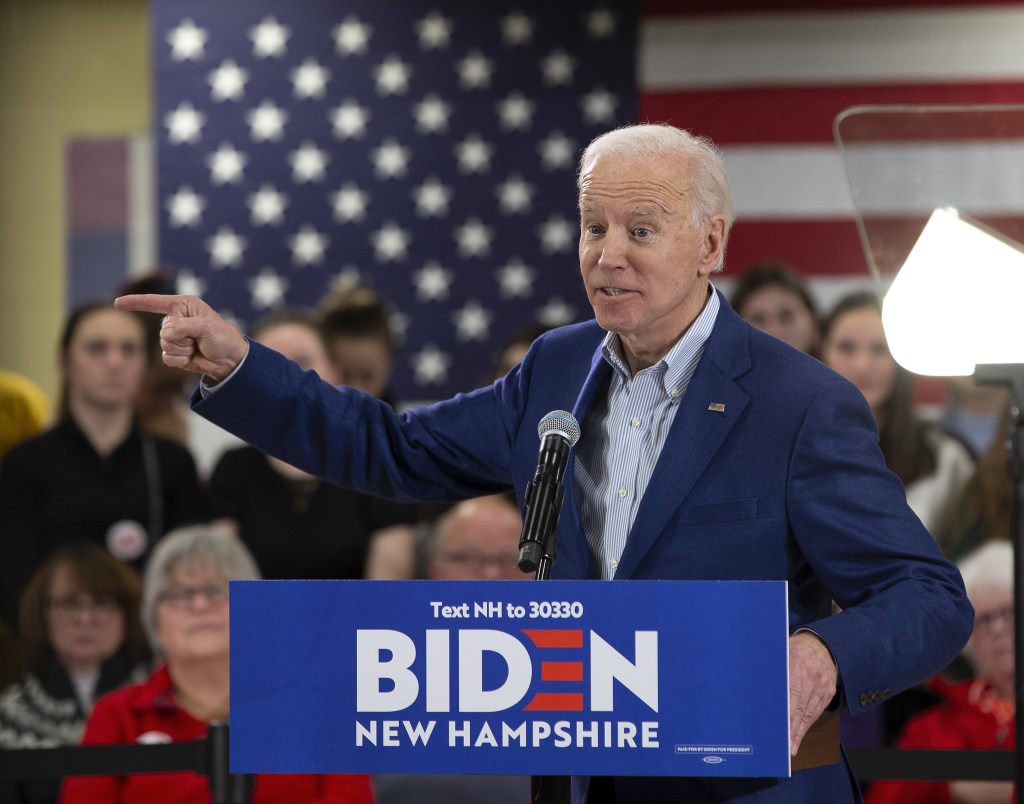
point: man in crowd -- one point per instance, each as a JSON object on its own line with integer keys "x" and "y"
{"x": 709, "y": 450}
{"x": 477, "y": 540}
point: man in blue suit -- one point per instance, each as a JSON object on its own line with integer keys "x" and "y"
{"x": 709, "y": 450}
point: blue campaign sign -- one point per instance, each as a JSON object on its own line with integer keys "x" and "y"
{"x": 639, "y": 678}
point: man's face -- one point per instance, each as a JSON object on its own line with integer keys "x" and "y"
{"x": 644, "y": 265}
{"x": 480, "y": 544}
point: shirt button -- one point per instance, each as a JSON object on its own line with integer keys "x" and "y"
{"x": 635, "y": 422}
{"x": 614, "y": 564}
{"x": 622, "y": 492}
{"x": 674, "y": 393}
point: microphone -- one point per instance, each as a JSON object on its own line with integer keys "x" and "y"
{"x": 559, "y": 431}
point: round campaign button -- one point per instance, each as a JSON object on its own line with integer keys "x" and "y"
{"x": 127, "y": 540}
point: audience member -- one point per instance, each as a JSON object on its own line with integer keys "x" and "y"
{"x": 185, "y": 610}
{"x": 357, "y": 330}
{"x": 96, "y": 476}
{"x": 977, "y": 714}
{"x": 162, "y": 402}
{"x": 514, "y": 350}
{"x": 774, "y": 298}
{"x": 933, "y": 466}
{"x": 972, "y": 412}
{"x": 476, "y": 540}
{"x": 985, "y": 509}
{"x": 82, "y": 637}
{"x": 24, "y": 410}
{"x": 296, "y": 525}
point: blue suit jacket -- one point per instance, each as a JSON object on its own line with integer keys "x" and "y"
{"x": 787, "y": 483}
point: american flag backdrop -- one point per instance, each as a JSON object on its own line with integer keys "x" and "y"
{"x": 428, "y": 148}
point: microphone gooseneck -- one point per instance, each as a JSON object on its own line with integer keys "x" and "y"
{"x": 559, "y": 431}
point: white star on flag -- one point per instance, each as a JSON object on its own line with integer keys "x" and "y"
{"x": 432, "y": 281}
{"x": 184, "y": 124}
{"x": 598, "y": 106}
{"x": 557, "y": 152}
{"x": 187, "y": 41}
{"x": 266, "y": 122}
{"x": 557, "y": 234}
{"x": 515, "y": 195}
{"x": 266, "y": 206}
{"x": 390, "y": 242}
{"x": 474, "y": 238}
{"x": 226, "y": 248}
{"x": 390, "y": 159}
{"x": 185, "y": 207}
{"x": 432, "y": 198}
{"x": 227, "y": 164}
{"x": 308, "y": 246}
{"x": 392, "y": 76}
{"x": 517, "y": 28}
{"x": 475, "y": 71}
{"x": 188, "y": 284}
{"x": 432, "y": 115}
{"x": 349, "y": 120}
{"x": 351, "y": 36}
{"x": 601, "y": 23}
{"x": 430, "y": 365}
{"x": 269, "y": 38}
{"x": 472, "y": 322}
{"x": 398, "y": 323}
{"x": 555, "y": 313}
{"x": 228, "y": 81}
{"x": 474, "y": 154}
{"x": 515, "y": 280}
{"x": 309, "y": 79}
{"x": 349, "y": 203}
{"x": 434, "y": 31}
{"x": 308, "y": 163}
{"x": 558, "y": 68}
{"x": 267, "y": 288}
{"x": 515, "y": 112}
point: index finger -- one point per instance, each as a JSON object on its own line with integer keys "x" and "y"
{"x": 150, "y": 303}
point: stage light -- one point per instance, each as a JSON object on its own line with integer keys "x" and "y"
{"x": 957, "y": 300}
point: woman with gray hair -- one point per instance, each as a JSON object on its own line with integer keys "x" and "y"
{"x": 185, "y": 611}
{"x": 977, "y": 714}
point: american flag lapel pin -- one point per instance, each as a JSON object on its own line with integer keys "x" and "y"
{"x": 717, "y": 407}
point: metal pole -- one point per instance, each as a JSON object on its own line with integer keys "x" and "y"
{"x": 1012, "y": 376}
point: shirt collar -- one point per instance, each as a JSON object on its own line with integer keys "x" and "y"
{"x": 679, "y": 361}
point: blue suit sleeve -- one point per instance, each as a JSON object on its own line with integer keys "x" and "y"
{"x": 451, "y": 450}
{"x": 905, "y": 613}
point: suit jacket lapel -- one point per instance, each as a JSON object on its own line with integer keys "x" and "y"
{"x": 573, "y": 552}
{"x": 697, "y": 434}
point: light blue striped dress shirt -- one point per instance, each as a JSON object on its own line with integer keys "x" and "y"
{"x": 624, "y": 436}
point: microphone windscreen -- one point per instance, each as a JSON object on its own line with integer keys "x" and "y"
{"x": 560, "y": 421}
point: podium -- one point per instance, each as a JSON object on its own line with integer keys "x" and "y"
{"x": 639, "y": 678}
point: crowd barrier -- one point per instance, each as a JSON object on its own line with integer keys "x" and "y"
{"x": 209, "y": 756}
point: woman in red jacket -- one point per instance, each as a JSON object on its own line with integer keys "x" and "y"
{"x": 185, "y": 608}
{"x": 977, "y": 714}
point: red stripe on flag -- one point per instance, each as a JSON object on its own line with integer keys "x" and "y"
{"x": 813, "y": 247}
{"x": 765, "y": 115}
{"x": 561, "y": 671}
{"x": 555, "y": 639}
{"x": 556, "y": 702}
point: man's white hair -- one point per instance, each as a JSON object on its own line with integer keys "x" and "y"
{"x": 705, "y": 181}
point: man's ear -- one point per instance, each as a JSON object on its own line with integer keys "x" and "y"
{"x": 712, "y": 245}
